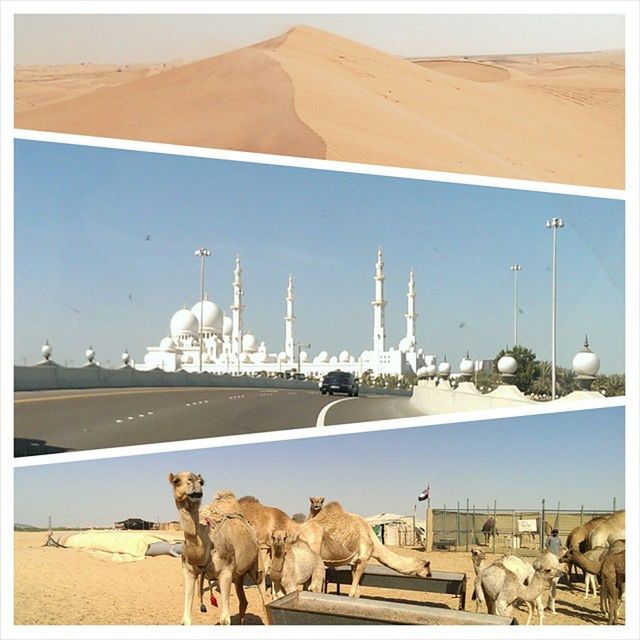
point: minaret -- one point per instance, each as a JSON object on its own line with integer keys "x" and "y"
{"x": 378, "y": 306}
{"x": 236, "y": 311}
{"x": 411, "y": 314}
{"x": 288, "y": 322}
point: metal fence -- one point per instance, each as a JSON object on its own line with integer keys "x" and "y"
{"x": 466, "y": 526}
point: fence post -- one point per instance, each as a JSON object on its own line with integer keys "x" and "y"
{"x": 458, "y": 525}
{"x": 542, "y": 521}
{"x": 444, "y": 523}
{"x": 495, "y": 504}
{"x": 614, "y": 504}
{"x": 466, "y": 528}
{"x": 581, "y": 513}
{"x": 473, "y": 525}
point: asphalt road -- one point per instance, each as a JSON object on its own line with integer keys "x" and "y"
{"x": 77, "y": 420}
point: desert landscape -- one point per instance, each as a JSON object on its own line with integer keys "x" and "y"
{"x": 55, "y": 586}
{"x": 312, "y": 94}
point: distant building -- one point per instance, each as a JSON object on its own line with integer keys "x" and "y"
{"x": 226, "y": 348}
{"x": 135, "y": 524}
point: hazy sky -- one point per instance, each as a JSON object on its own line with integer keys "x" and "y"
{"x": 85, "y": 273}
{"x": 460, "y": 461}
{"x": 55, "y": 39}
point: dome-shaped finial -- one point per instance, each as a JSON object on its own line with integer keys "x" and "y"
{"x": 586, "y": 364}
{"x": 507, "y": 366}
{"x": 46, "y": 350}
{"x": 90, "y": 354}
{"x": 126, "y": 357}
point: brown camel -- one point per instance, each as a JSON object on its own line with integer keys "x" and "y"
{"x": 578, "y": 538}
{"x": 315, "y": 506}
{"x": 222, "y": 546}
{"x": 612, "y": 575}
{"x": 346, "y": 538}
{"x": 606, "y": 533}
{"x": 265, "y": 520}
{"x": 591, "y": 562}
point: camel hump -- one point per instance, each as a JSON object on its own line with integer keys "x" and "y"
{"x": 224, "y": 494}
{"x": 334, "y": 505}
{"x": 246, "y": 499}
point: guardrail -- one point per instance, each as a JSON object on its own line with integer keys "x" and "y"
{"x": 52, "y": 377}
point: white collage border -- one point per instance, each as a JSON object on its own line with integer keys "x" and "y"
{"x": 630, "y": 195}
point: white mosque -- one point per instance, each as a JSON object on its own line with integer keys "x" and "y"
{"x": 203, "y": 338}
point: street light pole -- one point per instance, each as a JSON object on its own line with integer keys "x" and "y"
{"x": 201, "y": 253}
{"x": 554, "y": 224}
{"x": 515, "y": 268}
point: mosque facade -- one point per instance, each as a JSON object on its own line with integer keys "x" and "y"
{"x": 203, "y": 338}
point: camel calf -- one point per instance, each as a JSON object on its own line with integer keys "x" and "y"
{"x": 294, "y": 564}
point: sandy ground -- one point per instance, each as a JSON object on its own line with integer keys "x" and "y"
{"x": 556, "y": 118}
{"x": 67, "y": 586}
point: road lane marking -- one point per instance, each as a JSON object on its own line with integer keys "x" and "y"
{"x": 75, "y": 396}
{"x": 323, "y": 414}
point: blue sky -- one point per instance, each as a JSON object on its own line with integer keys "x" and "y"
{"x": 85, "y": 273}
{"x": 56, "y": 39}
{"x": 368, "y": 473}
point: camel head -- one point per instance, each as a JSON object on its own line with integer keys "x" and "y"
{"x": 477, "y": 555}
{"x": 278, "y": 542}
{"x": 187, "y": 488}
{"x": 425, "y": 570}
{"x": 317, "y": 502}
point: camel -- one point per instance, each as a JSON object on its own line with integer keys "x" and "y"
{"x": 346, "y": 538}
{"x": 265, "y": 520}
{"x": 612, "y": 574}
{"x": 606, "y": 533}
{"x": 223, "y": 548}
{"x": 578, "y": 538}
{"x": 590, "y": 562}
{"x": 489, "y": 529}
{"x": 546, "y": 560}
{"x": 512, "y": 591}
{"x": 315, "y": 507}
{"x": 294, "y": 564}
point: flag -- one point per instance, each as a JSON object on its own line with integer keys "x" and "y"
{"x": 424, "y": 494}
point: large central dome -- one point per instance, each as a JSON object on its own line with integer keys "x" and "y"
{"x": 212, "y": 316}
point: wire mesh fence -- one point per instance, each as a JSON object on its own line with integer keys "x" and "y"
{"x": 467, "y": 526}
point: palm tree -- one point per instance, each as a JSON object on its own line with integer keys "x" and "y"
{"x": 612, "y": 385}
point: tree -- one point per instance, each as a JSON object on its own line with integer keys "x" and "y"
{"x": 612, "y": 385}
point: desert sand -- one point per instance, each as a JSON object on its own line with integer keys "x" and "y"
{"x": 67, "y": 586}
{"x": 309, "y": 93}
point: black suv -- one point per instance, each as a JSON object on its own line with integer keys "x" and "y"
{"x": 339, "y": 382}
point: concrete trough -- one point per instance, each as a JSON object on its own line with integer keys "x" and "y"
{"x": 307, "y": 608}
{"x": 454, "y": 584}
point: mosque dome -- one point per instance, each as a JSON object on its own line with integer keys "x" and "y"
{"x": 304, "y": 356}
{"x": 187, "y": 359}
{"x": 422, "y": 373}
{"x": 183, "y": 322}
{"x": 259, "y": 358}
{"x": 46, "y": 351}
{"x": 406, "y": 344}
{"x": 431, "y": 369}
{"x": 344, "y": 356}
{"x": 585, "y": 362}
{"x": 212, "y": 316}
{"x": 167, "y": 343}
{"x": 323, "y": 356}
{"x": 90, "y": 354}
{"x": 333, "y": 360}
{"x": 249, "y": 343}
{"x": 282, "y": 357}
{"x": 364, "y": 356}
{"x": 227, "y": 326}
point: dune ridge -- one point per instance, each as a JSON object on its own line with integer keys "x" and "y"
{"x": 310, "y": 93}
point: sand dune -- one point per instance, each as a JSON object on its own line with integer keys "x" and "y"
{"x": 313, "y": 94}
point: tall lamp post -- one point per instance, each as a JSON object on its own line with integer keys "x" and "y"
{"x": 201, "y": 253}
{"x": 554, "y": 224}
{"x": 515, "y": 268}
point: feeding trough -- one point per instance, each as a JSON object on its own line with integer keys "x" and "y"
{"x": 305, "y": 608}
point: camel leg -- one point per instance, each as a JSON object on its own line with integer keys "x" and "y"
{"x": 242, "y": 597}
{"x": 540, "y": 609}
{"x": 258, "y": 578}
{"x": 551, "y": 600}
{"x": 189, "y": 577}
{"x": 356, "y": 573}
{"x": 224, "y": 583}
{"x": 612, "y": 591}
